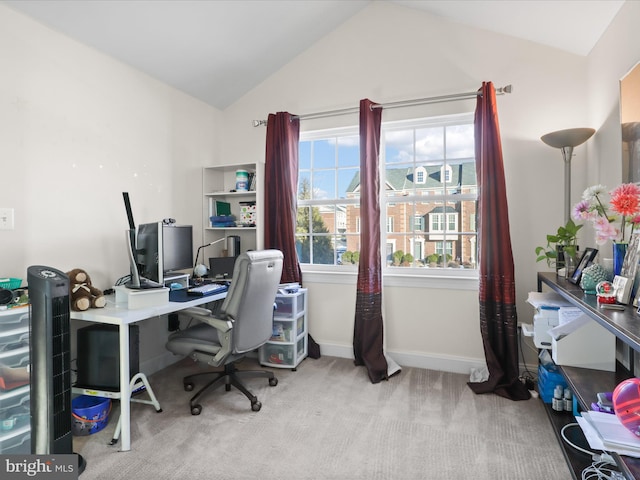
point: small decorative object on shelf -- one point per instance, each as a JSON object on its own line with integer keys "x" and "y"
{"x": 605, "y": 292}
{"x": 592, "y": 276}
{"x": 626, "y": 404}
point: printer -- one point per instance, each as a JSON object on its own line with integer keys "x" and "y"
{"x": 547, "y": 308}
{"x": 545, "y": 319}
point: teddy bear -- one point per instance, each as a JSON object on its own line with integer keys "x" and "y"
{"x": 82, "y": 293}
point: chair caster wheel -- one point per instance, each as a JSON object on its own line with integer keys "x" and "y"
{"x": 273, "y": 381}
{"x": 256, "y": 406}
{"x": 188, "y": 387}
{"x": 196, "y": 409}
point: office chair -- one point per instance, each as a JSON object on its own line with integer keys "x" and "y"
{"x": 244, "y": 323}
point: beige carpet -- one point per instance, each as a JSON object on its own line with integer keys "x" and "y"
{"x": 327, "y": 421}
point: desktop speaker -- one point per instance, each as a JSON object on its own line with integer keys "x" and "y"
{"x": 98, "y": 356}
{"x": 49, "y": 331}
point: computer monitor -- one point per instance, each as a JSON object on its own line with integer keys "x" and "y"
{"x": 163, "y": 249}
{"x": 177, "y": 248}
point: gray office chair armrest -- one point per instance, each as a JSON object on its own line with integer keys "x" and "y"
{"x": 196, "y": 311}
{"x": 205, "y": 315}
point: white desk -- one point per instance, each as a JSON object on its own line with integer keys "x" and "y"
{"x": 117, "y": 314}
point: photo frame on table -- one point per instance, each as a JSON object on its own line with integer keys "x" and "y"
{"x": 632, "y": 257}
{"x": 588, "y": 256}
{"x": 622, "y": 287}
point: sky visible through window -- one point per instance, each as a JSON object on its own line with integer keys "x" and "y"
{"x": 334, "y": 170}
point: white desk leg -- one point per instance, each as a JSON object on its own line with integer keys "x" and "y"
{"x": 125, "y": 390}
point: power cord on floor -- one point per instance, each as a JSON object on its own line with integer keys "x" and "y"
{"x": 527, "y": 377}
{"x": 600, "y": 469}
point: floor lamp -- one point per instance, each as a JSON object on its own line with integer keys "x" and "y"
{"x": 565, "y": 140}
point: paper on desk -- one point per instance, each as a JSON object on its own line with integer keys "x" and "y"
{"x": 547, "y": 299}
{"x": 570, "y": 319}
{"x": 604, "y": 431}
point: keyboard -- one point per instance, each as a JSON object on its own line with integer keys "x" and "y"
{"x": 206, "y": 289}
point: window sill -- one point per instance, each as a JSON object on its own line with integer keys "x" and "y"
{"x": 448, "y": 279}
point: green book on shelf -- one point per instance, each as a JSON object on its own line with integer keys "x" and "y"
{"x": 222, "y": 208}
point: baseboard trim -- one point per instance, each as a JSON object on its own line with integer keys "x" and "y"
{"x": 444, "y": 363}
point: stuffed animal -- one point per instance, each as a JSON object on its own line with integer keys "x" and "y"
{"x": 82, "y": 293}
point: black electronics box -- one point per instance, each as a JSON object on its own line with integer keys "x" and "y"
{"x": 98, "y": 361}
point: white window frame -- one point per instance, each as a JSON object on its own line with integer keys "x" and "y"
{"x": 464, "y": 279}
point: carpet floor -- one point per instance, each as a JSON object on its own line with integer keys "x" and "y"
{"x": 327, "y": 421}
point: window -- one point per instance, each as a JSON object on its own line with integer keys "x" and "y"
{"x": 430, "y": 175}
{"x": 428, "y": 202}
{"x": 328, "y": 221}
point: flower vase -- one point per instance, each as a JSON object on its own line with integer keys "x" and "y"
{"x": 619, "y": 252}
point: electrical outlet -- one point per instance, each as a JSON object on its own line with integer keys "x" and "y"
{"x": 6, "y": 219}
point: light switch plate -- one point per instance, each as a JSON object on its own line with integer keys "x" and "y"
{"x": 6, "y": 219}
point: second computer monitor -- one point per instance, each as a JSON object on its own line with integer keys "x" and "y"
{"x": 162, "y": 249}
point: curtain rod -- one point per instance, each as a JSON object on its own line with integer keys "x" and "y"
{"x": 402, "y": 103}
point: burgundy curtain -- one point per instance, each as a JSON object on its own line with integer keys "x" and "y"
{"x": 498, "y": 318}
{"x": 368, "y": 329}
{"x": 280, "y": 187}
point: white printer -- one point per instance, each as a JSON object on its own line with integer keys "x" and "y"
{"x": 547, "y": 306}
{"x": 545, "y": 319}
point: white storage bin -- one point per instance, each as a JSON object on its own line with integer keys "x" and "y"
{"x": 288, "y": 344}
{"x": 589, "y": 346}
{"x": 17, "y": 397}
{"x": 14, "y": 318}
{"x": 14, "y": 339}
{"x": 16, "y": 440}
{"x": 15, "y": 358}
{"x": 290, "y": 305}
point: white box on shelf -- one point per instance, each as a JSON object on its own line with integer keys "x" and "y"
{"x": 132, "y": 299}
{"x": 588, "y": 346}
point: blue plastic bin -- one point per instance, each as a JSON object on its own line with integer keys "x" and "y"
{"x": 548, "y": 377}
{"x": 89, "y": 414}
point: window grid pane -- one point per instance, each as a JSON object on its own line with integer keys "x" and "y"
{"x": 429, "y": 201}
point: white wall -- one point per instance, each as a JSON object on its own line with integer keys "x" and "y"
{"x": 77, "y": 129}
{"x": 390, "y": 53}
{"x": 615, "y": 54}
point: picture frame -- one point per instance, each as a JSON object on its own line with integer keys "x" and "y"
{"x": 588, "y": 256}
{"x": 630, "y": 266}
{"x": 622, "y": 287}
{"x": 631, "y": 258}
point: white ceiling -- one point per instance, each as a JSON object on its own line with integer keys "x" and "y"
{"x": 218, "y": 50}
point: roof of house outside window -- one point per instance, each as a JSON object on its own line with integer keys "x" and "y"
{"x": 402, "y": 178}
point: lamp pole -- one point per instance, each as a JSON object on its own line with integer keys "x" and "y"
{"x": 567, "y": 152}
{"x": 565, "y": 140}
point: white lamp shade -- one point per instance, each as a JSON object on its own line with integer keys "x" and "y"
{"x": 571, "y": 137}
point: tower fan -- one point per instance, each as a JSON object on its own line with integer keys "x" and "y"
{"x": 50, "y": 343}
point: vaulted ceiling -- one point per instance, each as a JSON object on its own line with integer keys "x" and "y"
{"x": 218, "y": 50}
